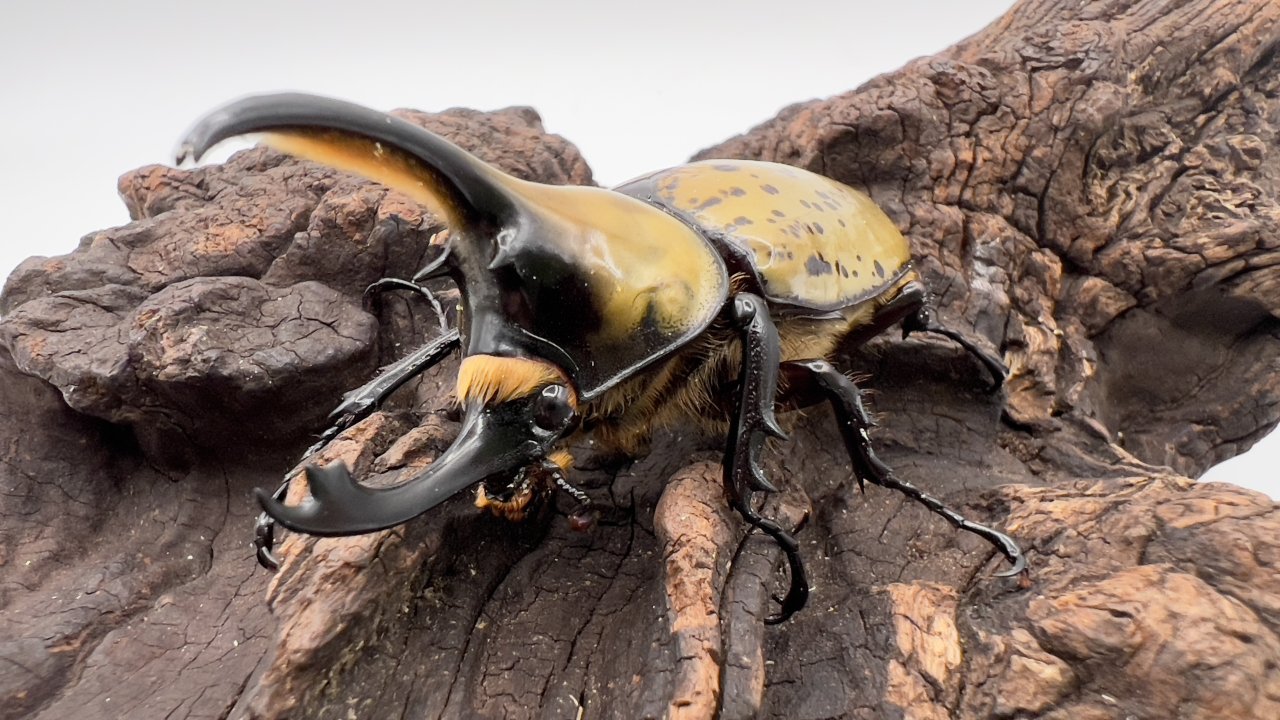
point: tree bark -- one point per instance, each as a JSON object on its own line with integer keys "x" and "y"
{"x": 1090, "y": 187}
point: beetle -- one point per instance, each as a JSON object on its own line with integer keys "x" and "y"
{"x": 704, "y": 295}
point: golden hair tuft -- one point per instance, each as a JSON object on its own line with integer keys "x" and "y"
{"x": 493, "y": 380}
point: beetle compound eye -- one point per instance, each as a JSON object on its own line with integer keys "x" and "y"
{"x": 552, "y": 409}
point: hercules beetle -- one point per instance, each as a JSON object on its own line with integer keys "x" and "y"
{"x": 704, "y": 293}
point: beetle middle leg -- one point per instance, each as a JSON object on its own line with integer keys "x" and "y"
{"x": 810, "y": 381}
{"x": 754, "y": 420}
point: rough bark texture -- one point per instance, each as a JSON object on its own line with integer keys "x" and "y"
{"x": 1092, "y": 188}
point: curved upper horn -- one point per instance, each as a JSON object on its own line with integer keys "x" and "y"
{"x": 366, "y": 142}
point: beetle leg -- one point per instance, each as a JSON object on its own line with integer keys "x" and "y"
{"x": 911, "y": 307}
{"x": 846, "y": 400}
{"x": 923, "y": 319}
{"x": 361, "y": 402}
{"x": 355, "y": 406}
{"x": 754, "y": 420}
{"x": 906, "y": 302}
{"x": 396, "y": 283}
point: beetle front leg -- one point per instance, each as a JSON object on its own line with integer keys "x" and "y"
{"x": 356, "y": 405}
{"x": 752, "y": 422}
{"x": 810, "y": 378}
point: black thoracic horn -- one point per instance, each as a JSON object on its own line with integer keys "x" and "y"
{"x": 432, "y": 170}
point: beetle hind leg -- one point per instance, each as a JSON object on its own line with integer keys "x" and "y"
{"x": 814, "y": 379}
{"x": 911, "y": 307}
{"x": 923, "y": 320}
{"x": 751, "y": 423}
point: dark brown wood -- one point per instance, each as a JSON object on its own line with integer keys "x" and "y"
{"x": 1092, "y": 188}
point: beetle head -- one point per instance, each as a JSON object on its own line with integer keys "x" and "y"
{"x": 515, "y": 409}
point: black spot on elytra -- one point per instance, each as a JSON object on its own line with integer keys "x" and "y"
{"x": 817, "y": 227}
{"x": 859, "y": 258}
{"x": 742, "y": 220}
{"x": 779, "y": 213}
{"x": 831, "y": 205}
{"x": 855, "y": 273}
{"x": 879, "y": 269}
{"x": 709, "y": 202}
{"x": 791, "y": 255}
{"x": 816, "y": 265}
{"x": 769, "y": 189}
{"x": 805, "y": 204}
{"x": 844, "y": 271}
{"x": 841, "y": 223}
{"x": 771, "y": 221}
{"x": 725, "y": 168}
{"x": 737, "y": 191}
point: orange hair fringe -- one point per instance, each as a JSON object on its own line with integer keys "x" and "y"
{"x": 493, "y": 380}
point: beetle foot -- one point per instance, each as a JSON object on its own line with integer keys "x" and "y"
{"x": 584, "y": 516}
{"x": 798, "y": 592}
{"x": 1007, "y": 547}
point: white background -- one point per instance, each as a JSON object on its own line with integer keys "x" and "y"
{"x": 94, "y": 89}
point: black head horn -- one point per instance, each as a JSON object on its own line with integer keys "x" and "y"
{"x": 378, "y": 146}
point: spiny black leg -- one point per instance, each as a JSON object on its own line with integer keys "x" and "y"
{"x": 846, "y": 400}
{"x": 359, "y": 403}
{"x": 753, "y": 421}
{"x": 911, "y": 307}
{"x": 923, "y": 320}
{"x": 355, "y": 406}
